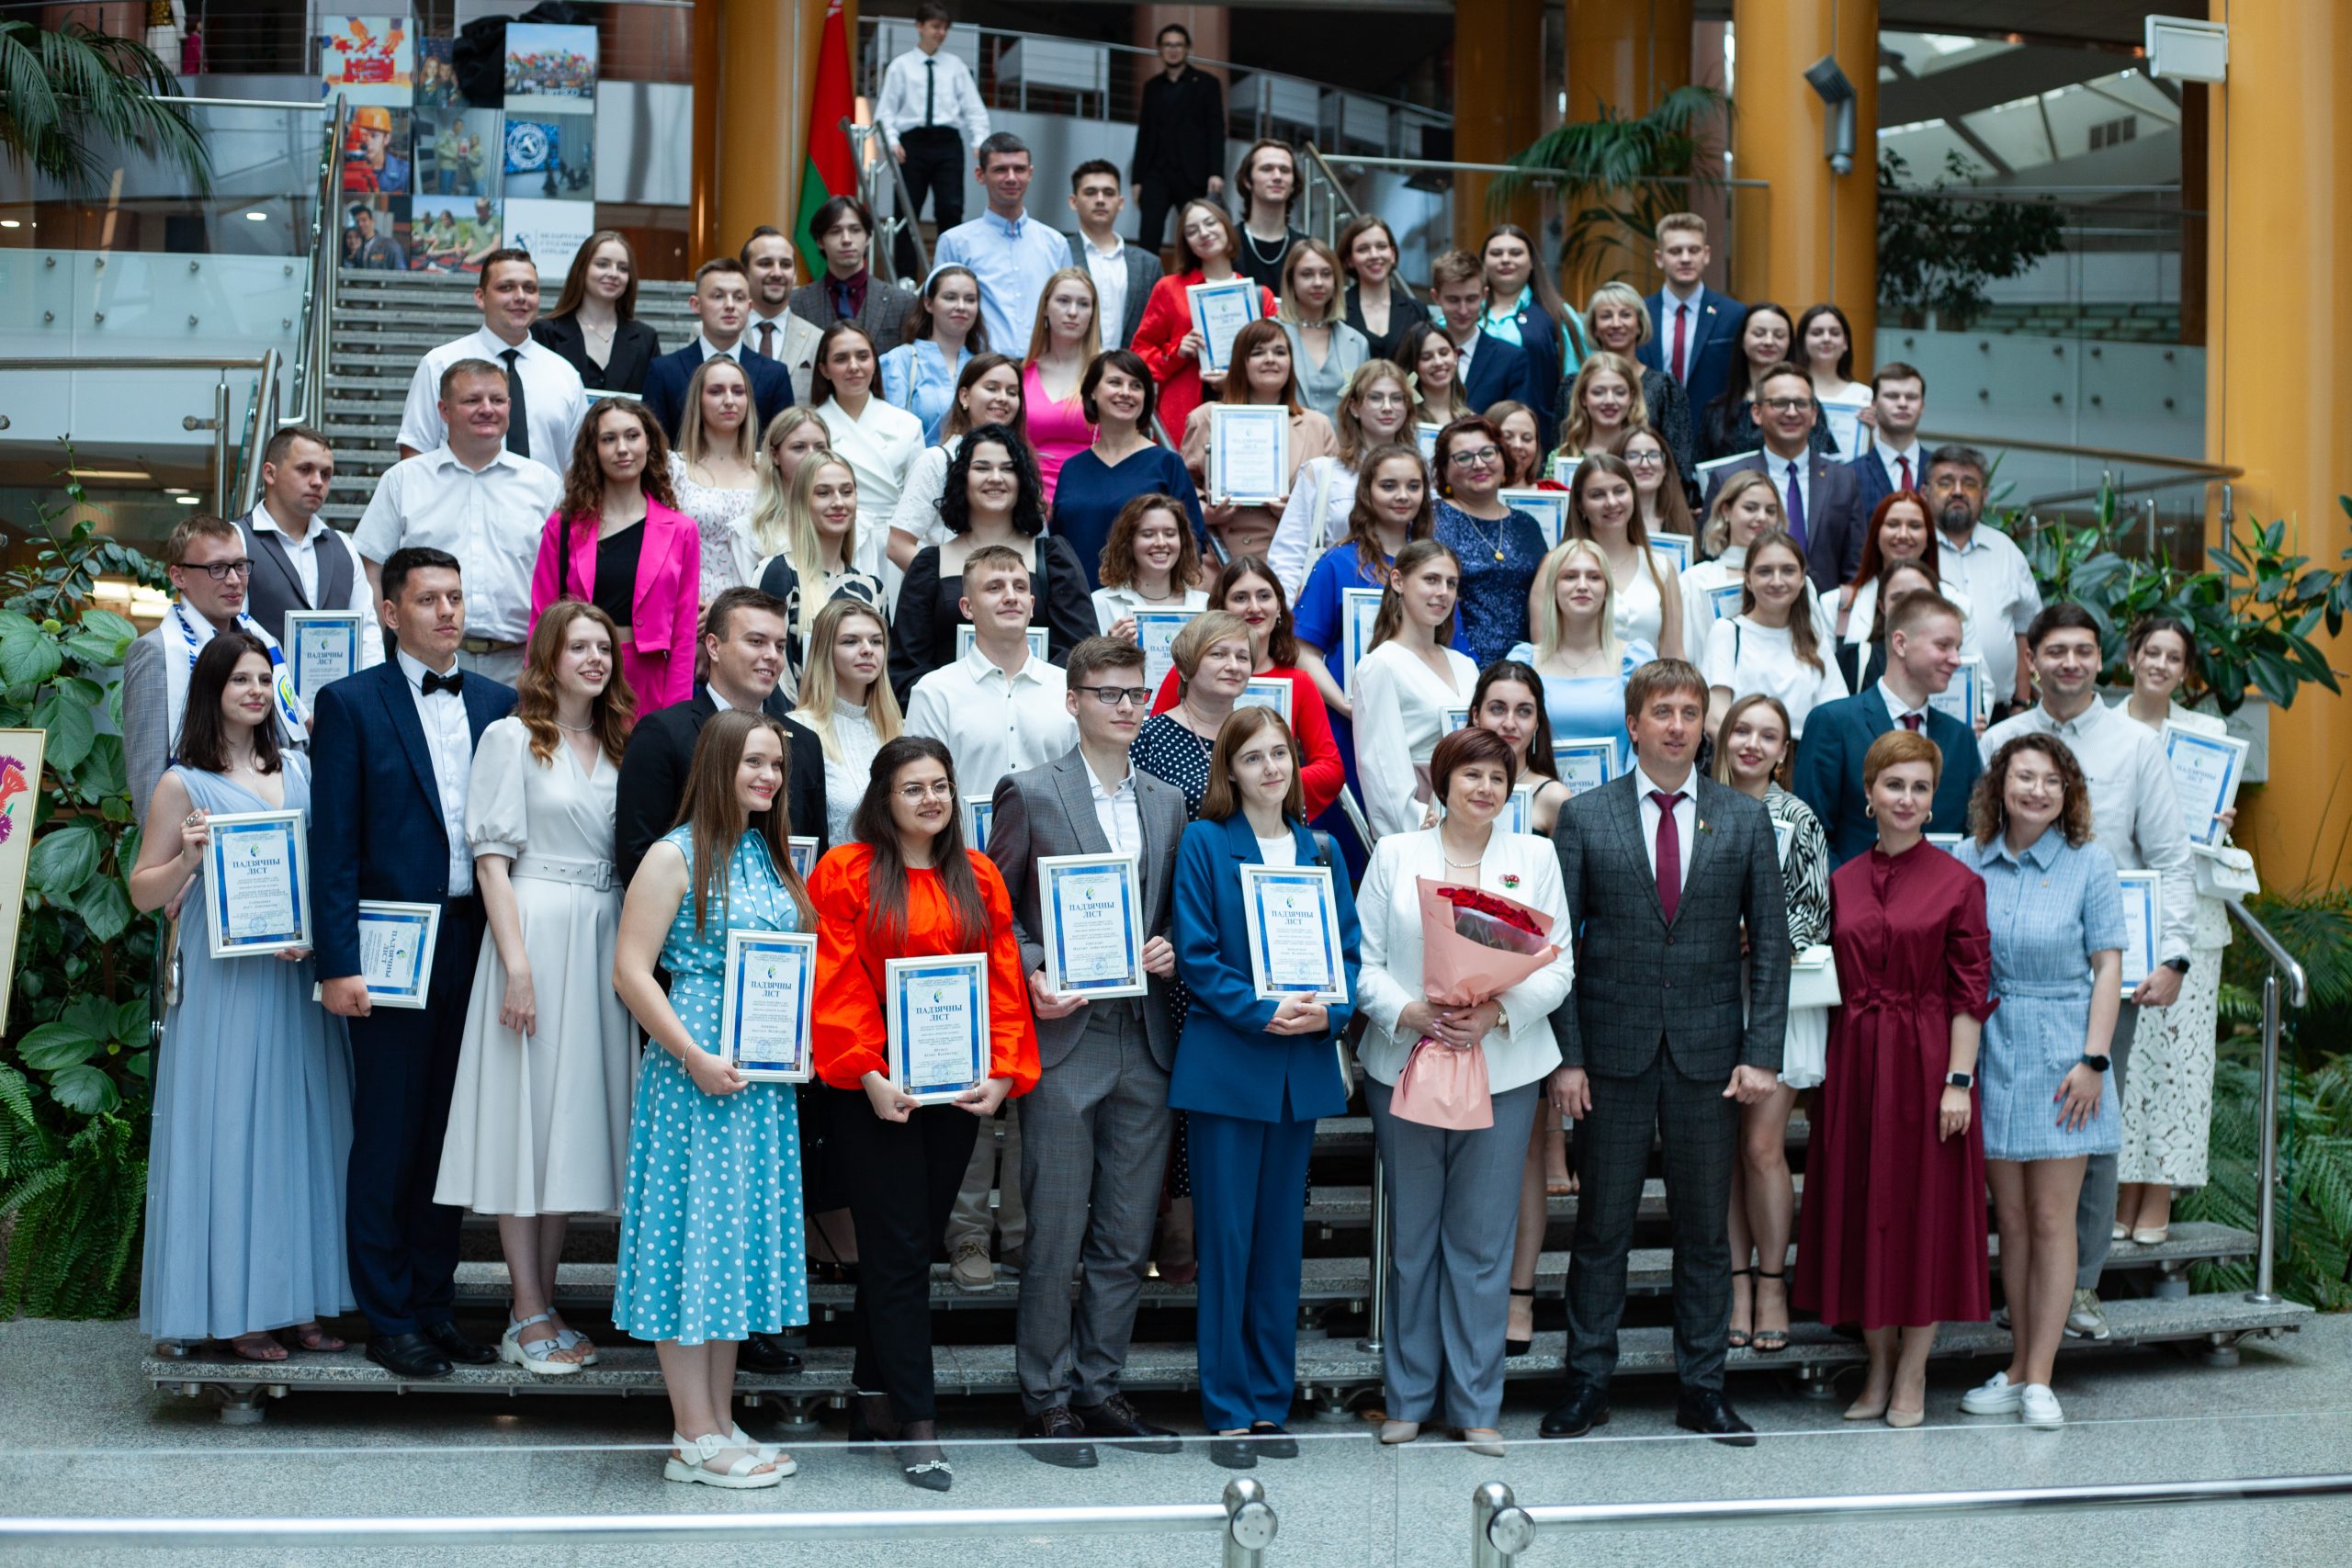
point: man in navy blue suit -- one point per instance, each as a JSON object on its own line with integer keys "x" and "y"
{"x": 1490, "y": 371}
{"x": 391, "y": 752}
{"x": 1820, "y": 497}
{"x": 722, "y": 303}
{"x": 1694, "y": 331}
{"x": 1923, "y": 653}
{"x": 1895, "y": 461}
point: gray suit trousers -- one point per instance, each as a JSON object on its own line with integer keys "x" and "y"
{"x": 2095, "y": 1211}
{"x": 1699, "y": 1130}
{"x": 1093, "y": 1150}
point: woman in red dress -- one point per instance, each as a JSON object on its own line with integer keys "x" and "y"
{"x": 1894, "y": 1233}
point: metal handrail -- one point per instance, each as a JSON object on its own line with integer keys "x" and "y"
{"x": 1317, "y": 175}
{"x": 318, "y": 288}
{"x": 890, "y": 218}
{"x": 1450, "y": 166}
{"x": 2193, "y": 466}
{"x": 2265, "y": 1175}
{"x": 225, "y": 469}
{"x": 1501, "y": 1528}
{"x": 1243, "y": 1519}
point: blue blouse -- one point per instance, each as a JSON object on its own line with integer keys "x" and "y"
{"x": 1587, "y": 705}
{"x": 1499, "y": 563}
{"x": 1317, "y": 615}
{"x": 1092, "y": 493}
{"x": 917, "y": 378}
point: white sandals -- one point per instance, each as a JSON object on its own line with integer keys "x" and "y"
{"x": 512, "y": 1350}
{"x": 742, "y": 1475}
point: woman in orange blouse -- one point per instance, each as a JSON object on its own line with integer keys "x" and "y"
{"x": 908, "y": 888}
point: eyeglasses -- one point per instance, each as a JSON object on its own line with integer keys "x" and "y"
{"x": 1966, "y": 484}
{"x": 219, "y": 571}
{"x": 1112, "y": 696}
{"x": 1785, "y": 405}
{"x": 915, "y": 793}
{"x": 1472, "y": 458}
{"x": 1645, "y": 459}
{"x": 1384, "y": 399}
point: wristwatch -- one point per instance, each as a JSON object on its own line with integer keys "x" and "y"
{"x": 2096, "y": 1064}
{"x": 2177, "y": 965}
{"x": 1958, "y": 1080}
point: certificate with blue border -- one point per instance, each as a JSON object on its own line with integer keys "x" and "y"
{"x": 1548, "y": 507}
{"x": 1249, "y": 453}
{"x": 1519, "y": 811}
{"x": 1267, "y": 692}
{"x": 980, "y": 811}
{"x": 1156, "y": 634}
{"x": 1219, "y": 312}
{"x": 1359, "y": 608}
{"x": 1454, "y": 718}
{"x": 1963, "y": 699}
{"x": 1090, "y": 915}
{"x": 2206, "y": 770}
{"x": 765, "y": 1019}
{"x": 1425, "y": 437}
{"x": 937, "y": 1010}
{"x": 1564, "y": 466}
{"x": 802, "y": 848}
{"x": 1725, "y": 601}
{"x": 1585, "y": 761}
{"x": 1947, "y": 842}
{"x": 2142, "y": 923}
{"x": 257, "y": 883}
{"x": 1675, "y": 548}
{"x": 1293, "y": 916}
{"x": 966, "y": 636}
{"x": 396, "y": 942}
{"x": 322, "y": 647}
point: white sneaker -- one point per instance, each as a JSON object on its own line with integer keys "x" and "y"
{"x": 2086, "y": 1320}
{"x": 2037, "y": 1406}
{"x": 1996, "y": 1396}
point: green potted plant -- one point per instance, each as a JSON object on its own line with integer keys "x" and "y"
{"x": 1617, "y": 175}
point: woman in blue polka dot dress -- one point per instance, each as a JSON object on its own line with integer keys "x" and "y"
{"x": 711, "y": 1249}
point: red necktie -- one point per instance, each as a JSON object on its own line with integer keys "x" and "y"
{"x": 1903, "y": 467}
{"x": 1681, "y": 339}
{"x": 1912, "y": 721}
{"x": 1670, "y": 853}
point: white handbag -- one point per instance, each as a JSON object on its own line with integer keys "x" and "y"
{"x": 2225, "y": 871}
{"x": 1812, "y": 983}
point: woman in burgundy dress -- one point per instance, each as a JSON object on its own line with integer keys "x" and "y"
{"x": 1894, "y": 1231}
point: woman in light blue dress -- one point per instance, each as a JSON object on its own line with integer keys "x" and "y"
{"x": 711, "y": 1250}
{"x": 2055, "y": 908}
{"x": 1572, "y": 612}
{"x": 943, "y": 332}
{"x": 252, "y": 1134}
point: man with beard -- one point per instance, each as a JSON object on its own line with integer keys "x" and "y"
{"x": 1989, "y": 568}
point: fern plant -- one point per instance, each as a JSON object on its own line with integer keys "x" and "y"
{"x": 2314, "y": 1202}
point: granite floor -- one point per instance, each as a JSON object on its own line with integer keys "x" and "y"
{"x": 82, "y": 1436}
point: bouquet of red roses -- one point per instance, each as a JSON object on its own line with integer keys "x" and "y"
{"x": 1474, "y": 946}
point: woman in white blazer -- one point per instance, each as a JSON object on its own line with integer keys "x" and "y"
{"x": 1404, "y": 685}
{"x": 1450, "y": 1191}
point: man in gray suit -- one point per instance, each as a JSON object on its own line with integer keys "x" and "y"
{"x": 1662, "y": 868}
{"x": 847, "y": 289}
{"x": 1095, "y": 1130}
{"x": 1123, "y": 273}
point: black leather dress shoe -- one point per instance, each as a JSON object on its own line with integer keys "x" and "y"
{"x": 1586, "y": 1407}
{"x": 1116, "y": 1422}
{"x": 1272, "y": 1439}
{"x": 764, "y": 1353}
{"x": 1706, "y": 1410}
{"x": 1054, "y": 1436}
{"x": 408, "y": 1356}
{"x": 1233, "y": 1453}
{"x": 454, "y": 1344}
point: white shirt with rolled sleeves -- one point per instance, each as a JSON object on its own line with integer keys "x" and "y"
{"x": 490, "y": 518}
{"x": 2135, "y": 813}
{"x": 555, "y": 400}
{"x": 991, "y": 723}
{"x": 1999, "y": 583}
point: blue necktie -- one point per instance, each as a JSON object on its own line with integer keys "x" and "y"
{"x": 1796, "y": 508}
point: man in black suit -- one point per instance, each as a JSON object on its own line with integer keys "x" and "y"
{"x": 1694, "y": 331}
{"x": 1489, "y": 370}
{"x": 1664, "y": 870}
{"x": 722, "y": 303}
{"x": 1820, "y": 498}
{"x": 1180, "y": 138}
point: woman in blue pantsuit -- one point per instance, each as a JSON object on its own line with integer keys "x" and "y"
{"x": 1254, "y": 1075}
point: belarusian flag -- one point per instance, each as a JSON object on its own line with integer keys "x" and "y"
{"x": 829, "y": 171}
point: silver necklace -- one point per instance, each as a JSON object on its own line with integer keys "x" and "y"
{"x": 575, "y": 728}
{"x": 1264, "y": 259}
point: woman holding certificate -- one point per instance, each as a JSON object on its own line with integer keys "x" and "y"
{"x": 252, "y": 1085}
{"x": 711, "y": 1249}
{"x": 538, "y": 1123}
{"x": 1149, "y": 562}
{"x": 1454, "y": 1062}
{"x": 1248, "y": 480}
{"x": 1168, "y": 337}
{"x": 1404, "y": 685}
{"x": 918, "y": 1055}
{"x": 1266, "y": 944}
{"x": 1498, "y": 546}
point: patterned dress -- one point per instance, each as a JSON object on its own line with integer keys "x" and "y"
{"x": 1804, "y": 869}
{"x": 1166, "y": 750}
{"x": 719, "y": 517}
{"x": 1498, "y": 563}
{"x": 711, "y": 1246}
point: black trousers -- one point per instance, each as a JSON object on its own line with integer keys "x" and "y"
{"x": 1159, "y": 197}
{"x": 902, "y": 1177}
{"x": 934, "y": 167}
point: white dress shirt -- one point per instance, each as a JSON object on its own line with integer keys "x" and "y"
{"x": 304, "y": 554}
{"x": 1669, "y": 304}
{"x": 490, "y": 518}
{"x": 1519, "y": 866}
{"x": 450, "y": 740}
{"x": 1109, "y": 270}
{"x": 1118, "y": 815}
{"x": 1993, "y": 572}
{"x": 1895, "y": 711}
{"x": 992, "y": 723}
{"x": 1781, "y": 470}
{"x": 1743, "y": 655}
{"x": 733, "y": 351}
{"x": 955, "y": 101}
{"x": 1887, "y": 452}
{"x": 1686, "y": 819}
{"x": 1400, "y": 706}
{"x": 1462, "y": 353}
{"x": 1112, "y": 606}
{"x": 555, "y": 400}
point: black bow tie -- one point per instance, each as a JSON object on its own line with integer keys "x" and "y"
{"x": 454, "y": 683}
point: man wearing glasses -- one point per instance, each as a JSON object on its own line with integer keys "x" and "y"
{"x": 207, "y": 561}
{"x": 1820, "y": 497}
{"x": 1989, "y": 568}
{"x": 1095, "y": 1130}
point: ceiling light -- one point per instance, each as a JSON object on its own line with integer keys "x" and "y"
{"x": 9, "y": 223}
{"x": 109, "y": 473}
{"x": 177, "y": 489}
{"x": 184, "y": 499}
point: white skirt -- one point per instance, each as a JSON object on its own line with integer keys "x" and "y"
{"x": 1805, "y": 1055}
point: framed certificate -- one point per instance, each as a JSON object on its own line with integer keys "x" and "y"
{"x": 966, "y": 636}
{"x": 1519, "y": 811}
{"x": 1090, "y": 915}
{"x": 396, "y": 942}
{"x": 1586, "y": 763}
{"x": 1266, "y": 691}
{"x": 1947, "y": 843}
{"x": 980, "y": 811}
{"x": 803, "y": 851}
{"x": 1455, "y": 718}
{"x": 1709, "y": 469}
{"x": 938, "y": 1018}
{"x": 764, "y": 1020}
{"x": 1564, "y": 466}
{"x": 1425, "y": 437}
{"x": 2206, "y": 770}
{"x": 1725, "y": 601}
{"x": 2142, "y": 920}
{"x": 1220, "y": 311}
{"x": 1156, "y": 634}
{"x": 1844, "y": 419}
{"x": 1293, "y": 920}
{"x": 1964, "y": 698}
{"x": 321, "y": 647}
{"x": 1675, "y": 548}
{"x": 1249, "y": 452}
{"x": 257, "y": 880}
{"x": 1359, "y": 608}
{"x": 1548, "y": 507}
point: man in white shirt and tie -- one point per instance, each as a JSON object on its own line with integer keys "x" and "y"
{"x": 928, "y": 97}
{"x": 772, "y": 330}
{"x": 1990, "y": 568}
{"x": 543, "y": 390}
{"x": 1820, "y": 499}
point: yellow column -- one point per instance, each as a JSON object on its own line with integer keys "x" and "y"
{"x": 1626, "y": 54}
{"x": 1498, "y": 66}
{"x": 1813, "y": 235}
{"x": 2278, "y": 385}
{"x": 747, "y": 164}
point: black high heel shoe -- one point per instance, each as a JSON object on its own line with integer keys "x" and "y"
{"x": 1738, "y": 1338}
{"x": 1779, "y": 1337}
{"x": 1519, "y": 1346}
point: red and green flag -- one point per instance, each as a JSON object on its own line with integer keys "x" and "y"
{"x": 827, "y": 171}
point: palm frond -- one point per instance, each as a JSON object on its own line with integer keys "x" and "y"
{"x": 66, "y": 93}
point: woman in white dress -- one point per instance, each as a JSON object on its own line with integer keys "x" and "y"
{"x": 987, "y": 392}
{"x": 880, "y": 440}
{"x": 847, "y": 704}
{"x": 792, "y": 436}
{"x": 538, "y": 1123}
{"x": 1751, "y": 748}
{"x": 2169, "y": 1094}
{"x": 1148, "y": 563}
{"x": 1648, "y": 589}
{"x": 1772, "y": 646}
{"x": 1405, "y": 683}
{"x": 1746, "y": 507}
{"x": 715, "y": 469}
{"x": 1373, "y": 410}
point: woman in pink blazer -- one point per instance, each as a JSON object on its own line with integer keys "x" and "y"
{"x": 619, "y": 542}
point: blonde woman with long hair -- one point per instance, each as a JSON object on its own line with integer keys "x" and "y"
{"x": 1571, "y": 607}
{"x": 1605, "y": 402}
{"x": 792, "y": 436}
{"x": 1063, "y": 342}
{"x": 1326, "y": 350}
{"x": 715, "y": 469}
{"x": 828, "y": 555}
{"x": 846, "y": 702}
{"x": 1617, "y": 318}
{"x": 1603, "y": 507}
